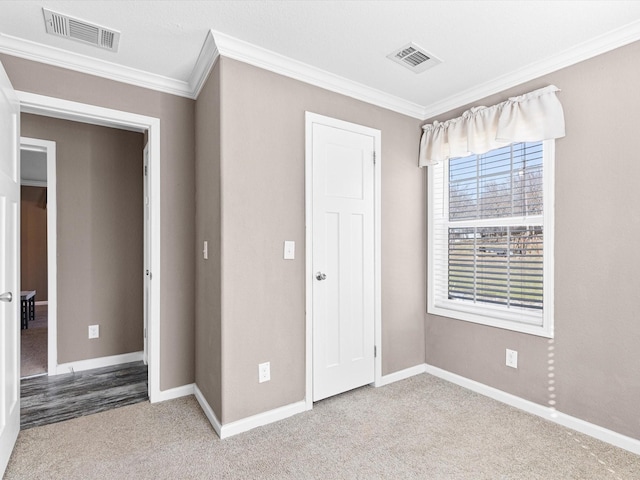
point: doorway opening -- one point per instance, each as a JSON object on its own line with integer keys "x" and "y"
{"x": 84, "y": 113}
{"x": 38, "y": 256}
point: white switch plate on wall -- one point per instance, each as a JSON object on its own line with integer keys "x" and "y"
{"x": 205, "y": 250}
{"x": 94, "y": 331}
{"x": 289, "y": 250}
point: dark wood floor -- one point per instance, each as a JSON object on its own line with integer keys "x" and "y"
{"x": 53, "y": 399}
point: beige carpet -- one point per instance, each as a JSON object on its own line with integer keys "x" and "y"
{"x": 33, "y": 345}
{"x": 420, "y": 428}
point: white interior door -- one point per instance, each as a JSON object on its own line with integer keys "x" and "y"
{"x": 343, "y": 259}
{"x": 9, "y": 269}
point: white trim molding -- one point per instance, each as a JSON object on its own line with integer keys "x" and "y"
{"x": 265, "y": 418}
{"x": 82, "y": 365}
{"x": 584, "y": 51}
{"x": 81, "y": 112}
{"x": 206, "y": 60}
{"x": 260, "y": 419}
{"x": 268, "y": 60}
{"x": 208, "y": 411}
{"x": 49, "y": 148}
{"x": 249, "y": 423}
{"x": 217, "y": 43}
{"x": 548, "y": 413}
{"x": 310, "y": 120}
{"x": 177, "y": 392}
{"x": 38, "y": 52}
{"x": 609, "y": 436}
{"x": 400, "y": 375}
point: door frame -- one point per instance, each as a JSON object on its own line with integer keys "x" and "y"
{"x": 310, "y": 120}
{"x": 48, "y": 147}
{"x": 107, "y": 117}
{"x": 146, "y": 282}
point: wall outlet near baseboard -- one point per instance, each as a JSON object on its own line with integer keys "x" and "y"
{"x": 512, "y": 358}
{"x": 264, "y": 372}
{"x": 94, "y": 331}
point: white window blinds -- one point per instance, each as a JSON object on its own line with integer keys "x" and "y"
{"x": 487, "y": 226}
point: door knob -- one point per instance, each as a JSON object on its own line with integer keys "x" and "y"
{"x": 6, "y": 297}
{"x": 321, "y": 276}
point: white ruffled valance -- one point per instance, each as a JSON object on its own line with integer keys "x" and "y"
{"x": 531, "y": 117}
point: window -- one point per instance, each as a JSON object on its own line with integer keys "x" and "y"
{"x": 491, "y": 238}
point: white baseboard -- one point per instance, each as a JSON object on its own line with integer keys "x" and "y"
{"x": 400, "y": 375}
{"x": 249, "y": 423}
{"x": 208, "y": 411}
{"x": 265, "y": 418}
{"x": 595, "y": 431}
{"x": 176, "y": 392}
{"x": 582, "y": 426}
{"x": 42, "y": 302}
{"x": 92, "y": 363}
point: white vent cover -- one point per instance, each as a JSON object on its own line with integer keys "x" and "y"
{"x": 76, "y": 29}
{"x": 414, "y": 58}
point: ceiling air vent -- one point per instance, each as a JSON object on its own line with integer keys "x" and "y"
{"x": 414, "y": 58}
{"x": 76, "y": 29}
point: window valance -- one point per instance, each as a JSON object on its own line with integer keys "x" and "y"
{"x": 531, "y": 117}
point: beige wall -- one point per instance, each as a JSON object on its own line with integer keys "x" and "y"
{"x": 597, "y": 333}
{"x": 208, "y": 228}
{"x": 263, "y": 204}
{"x": 33, "y": 241}
{"x": 99, "y": 236}
{"x": 176, "y": 116}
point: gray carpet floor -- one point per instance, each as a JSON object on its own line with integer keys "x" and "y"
{"x": 419, "y": 428}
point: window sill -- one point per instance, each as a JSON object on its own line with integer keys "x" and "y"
{"x": 496, "y": 318}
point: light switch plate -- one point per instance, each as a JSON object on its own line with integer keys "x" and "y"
{"x": 205, "y": 250}
{"x": 94, "y": 331}
{"x": 289, "y": 250}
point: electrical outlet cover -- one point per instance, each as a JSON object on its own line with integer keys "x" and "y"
{"x": 512, "y": 358}
{"x": 264, "y": 372}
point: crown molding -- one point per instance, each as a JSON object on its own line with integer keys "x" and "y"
{"x": 81, "y": 63}
{"x": 266, "y": 59}
{"x": 584, "y": 51}
{"x": 208, "y": 57}
{"x": 217, "y": 43}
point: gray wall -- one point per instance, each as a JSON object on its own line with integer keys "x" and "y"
{"x": 99, "y": 236}
{"x": 176, "y": 114}
{"x": 260, "y": 180}
{"x": 33, "y": 241}
{"x": 597, "y": 333}
{"x": 208, "y": 227}
{"x": 262, "y": 148}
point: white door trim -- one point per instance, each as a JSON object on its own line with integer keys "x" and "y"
{"x": 146, "y": 282}
{"x": 81, "y": 112}
{"x": 310, "y": 119}
{"x": 49, "y": 148}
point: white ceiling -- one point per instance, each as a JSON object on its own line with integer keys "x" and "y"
{"x": 485, "y": 46}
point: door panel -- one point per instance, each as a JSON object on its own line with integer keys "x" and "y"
{"x": 343, "y": 251}
{"x": 9, "y": 269}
